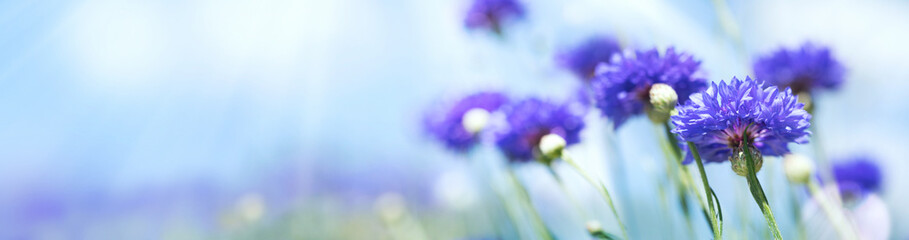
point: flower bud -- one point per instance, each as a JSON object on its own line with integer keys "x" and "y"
{"x": 662, "y": 101}
{"x": 798, "y": 168}
{"x": 740, "y": 161}
{"x": 474, "y": 120}
{"x": 594, "y": 226}
{"x": 551, "y": 145}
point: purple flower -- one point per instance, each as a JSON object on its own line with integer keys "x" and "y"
{"x": 445, "y": 123}
{"x": 803, "y": 70}
{"x": 583, "y": 60}
{"x": 857, "y": 176}
{"x": 714, "y": 120}
{"x": 531, "y": 119}
{"x": 622, "y": 89}
{"x": 491, "y": 14}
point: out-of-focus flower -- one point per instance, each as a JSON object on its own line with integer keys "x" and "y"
{"x": 857, "y": 177}
{"x": 584, "y": 59}
{"x": 622, "y": 89}
{"x": 531, "y": 119}
{"x": 449, "y": 124}
{"x": 715, "y": 121}
{"x": 493, "y": 14}
{"x": 805, "y": 69}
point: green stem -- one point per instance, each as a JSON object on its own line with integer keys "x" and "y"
{"x": 757, "y": 191}
{"x": 834, "y": 213}
{"x": 674, "y": 169}
{"x": 509, "y": 210}
{"x": 620, "y": 176}
{"x": 568, "y": 194}
{"x": 600, "y": 186}
{"x": 714, "y": 222}
{"x": 671, "y": 147}
{"x": 825, "y": 170}
{"x": 796, "y": 212}
{"x": 601, "y": 235}
{"x": 537, "y": 221}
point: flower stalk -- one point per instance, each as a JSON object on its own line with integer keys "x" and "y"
{"x": 834, "y": 212}
{"x": 756, "y": 190}
{"x": 715, "y": 219}
{"x": 684, "y": 181}
{"x": 600, "y": 186}
{"x": 537, "y": 221}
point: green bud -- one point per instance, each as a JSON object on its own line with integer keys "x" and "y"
{"x": 740, "y": 161}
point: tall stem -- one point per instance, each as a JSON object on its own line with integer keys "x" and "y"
{"x": 537, "y": 221}
{"x": 825, "y": 169}
{"x": 600, "y": 186}
{"x": 620, "y": 176}
{"x": 834, "y": 213}
{"x": 714, "y": 222}
{"x": 565, "y": 191}
{"x": 757, "y": 191}
{"x": 684, "y": 181}
{"x": 508, "y": 208}
{"x": 796, "y": 212}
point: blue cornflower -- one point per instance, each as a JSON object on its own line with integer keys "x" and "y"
{"x": 492, "y": 14}
{"x": 803, "y": 70}
{"x": 447, "y": 124}
{"x": 857, "y": 176}
{"x": 622, "y": 89}
{"x": 714, "y": 120}
{"x": 583, "y": 59}
{"x": 531, "y": 119}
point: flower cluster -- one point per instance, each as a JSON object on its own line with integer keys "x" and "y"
{"x": 715, "y": 120}
{"x": 584, "y": 59}
{"x": 805, "y": 69}
{"x": 492, "y": 14}
{"x": 531, "y": 119}
{"x": 858, "y": 176}
{"x": 622, "y": 89}
{"x": 447, "y": 124}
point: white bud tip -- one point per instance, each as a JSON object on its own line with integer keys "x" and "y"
{"x": 594, "y": 226}
{"x": 798, "y": 168}
{"x": 552, "y": 144}
{"x": 474, "y": 120}
{"x": 662, "y": 95}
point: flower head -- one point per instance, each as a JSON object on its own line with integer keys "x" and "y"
{"x": 492, "y": 14}
{"x": 583, "y": 60}
{"x": 622, "y": 89}
{"x": 450, "y": 124}
{"x": 531, "y": 119}
{"x": 857, "y": 176}
{"x": 715, "y": 120}
{"x": 803, "y": 70}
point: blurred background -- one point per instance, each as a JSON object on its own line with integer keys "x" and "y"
{"x": 302, "y": 119}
